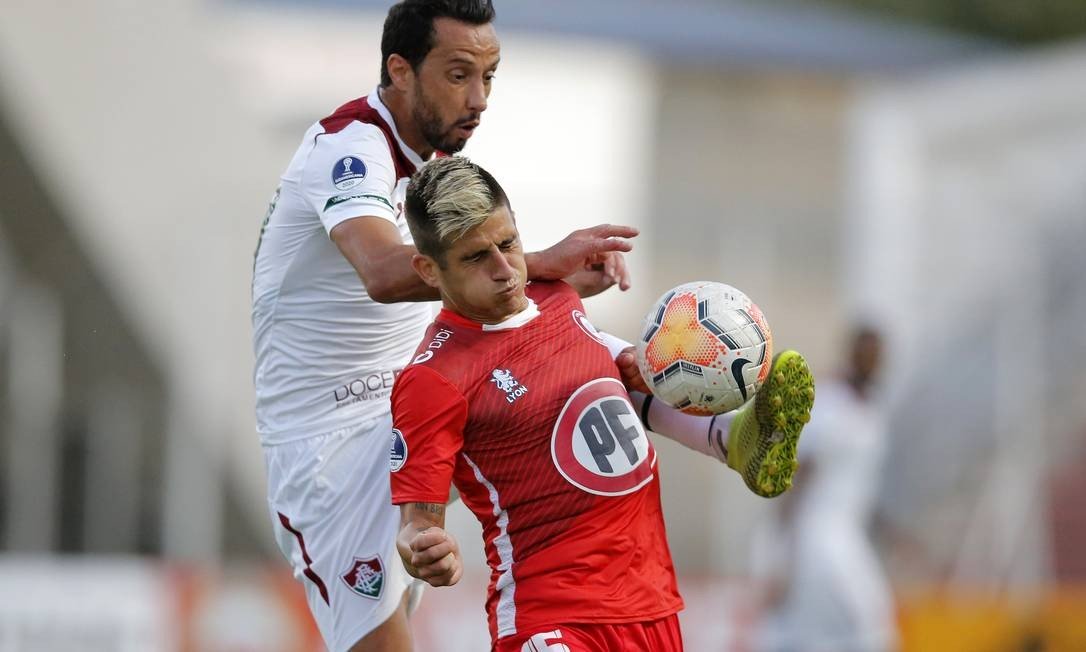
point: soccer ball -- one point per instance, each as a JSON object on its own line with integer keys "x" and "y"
{"x": 705, "y": 348}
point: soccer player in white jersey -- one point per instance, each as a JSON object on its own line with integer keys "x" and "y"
{"x": 826, "y": 589}
{"x": 338, "y": 311}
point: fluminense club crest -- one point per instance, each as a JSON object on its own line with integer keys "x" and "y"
{"x": 366, "y": 577}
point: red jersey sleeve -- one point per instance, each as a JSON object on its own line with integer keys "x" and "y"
{"x": 428, "y": 417}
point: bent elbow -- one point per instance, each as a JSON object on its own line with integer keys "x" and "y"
{"x": 380, "y": 291}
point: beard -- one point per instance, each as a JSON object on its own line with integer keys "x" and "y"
{"x": 435, "y": 132}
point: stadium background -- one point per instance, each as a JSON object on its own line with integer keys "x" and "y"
{"x": 832, "y": 161}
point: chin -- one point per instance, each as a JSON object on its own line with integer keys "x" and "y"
{"x": 510, "y": 305}
{"x": 452, "y": 148}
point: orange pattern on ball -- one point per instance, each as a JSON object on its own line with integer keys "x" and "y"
{"x": 681, "y": 337}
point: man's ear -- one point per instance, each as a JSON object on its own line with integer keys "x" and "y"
{"x": 426, "y": 268}
{"x": 400, "y": 72}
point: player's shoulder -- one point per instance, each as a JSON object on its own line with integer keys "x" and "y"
{"x": 355, "y": 123}
{"x": 441, "y": 349}
{"x": 420, "y": 377}
{"x": 357, "y": 112}
{"x": 422, "y": 385}
{"x": 345, "y": 149}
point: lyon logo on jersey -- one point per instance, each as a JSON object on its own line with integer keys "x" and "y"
{"x": 366, "y": 577}
{"x": 507, "y": 383}
{"x": 598, "y": 443}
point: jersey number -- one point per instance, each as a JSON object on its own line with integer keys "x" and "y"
{"x": 544, "y": 642}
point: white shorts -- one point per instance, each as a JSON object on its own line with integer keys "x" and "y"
{"x": 334, "y": 521}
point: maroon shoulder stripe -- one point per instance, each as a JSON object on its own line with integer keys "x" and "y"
{"x": 360, "y": 110}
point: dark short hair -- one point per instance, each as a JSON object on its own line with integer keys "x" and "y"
{"x": 409, "y": 27}
{"x": 446, "y": 198}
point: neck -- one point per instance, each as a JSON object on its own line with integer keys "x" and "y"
{"x": 409, "y": 131}
{"x": 860, "y": 385}
{"x": 489, "y": 319}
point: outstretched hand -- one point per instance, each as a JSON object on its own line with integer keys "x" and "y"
{"x": 585, "y": 248}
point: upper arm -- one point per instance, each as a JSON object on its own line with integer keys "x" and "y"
{"x": 428, "y": 417}
{"x": 366, "y": 242}
{"x": 350, "y": 174}
{"x": 350, "y": 182}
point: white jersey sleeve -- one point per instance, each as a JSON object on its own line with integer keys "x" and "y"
{"x": 350, "y": 174}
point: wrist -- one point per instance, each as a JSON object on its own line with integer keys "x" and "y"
{"x": 536, "y": 264}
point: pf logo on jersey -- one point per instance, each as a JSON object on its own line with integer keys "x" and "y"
{"x": 598, "y": 443}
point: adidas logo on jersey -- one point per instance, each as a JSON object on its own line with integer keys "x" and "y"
{"x": 505, "y": 382}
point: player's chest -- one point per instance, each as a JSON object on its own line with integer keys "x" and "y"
{"x": 523, "y": 373}
{"x": 571, "y": 414}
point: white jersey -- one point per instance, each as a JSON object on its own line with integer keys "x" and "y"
{"x": 846, "y": 440}
{"x": 326, "y": 353}
{"x": 838, "y": 598}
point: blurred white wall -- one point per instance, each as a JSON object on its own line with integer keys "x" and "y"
{"x": 967, "y": 217}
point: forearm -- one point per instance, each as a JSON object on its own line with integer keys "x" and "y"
{"x": 706, "y": 435}
{"x": 374, "y": 249}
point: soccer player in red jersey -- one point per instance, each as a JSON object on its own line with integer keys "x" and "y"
{"x": 517, "y": 400}
{"x": 514, "y": 398}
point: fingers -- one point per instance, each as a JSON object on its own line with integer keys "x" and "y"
{"x": 595, "y": 262}
{"x": 431, "y": 544}
{"x": 443, "y": 572}
{"x": 613, "y": 231}
{"x": 626, "y": 361}
{"x": 612, "y": 267}
{"x": 620, "y": 272}
{"x": 626, "y": 358}
{"x": 436, "y": 557}
{"x": 598, "y": 246}
{"x": 605, "y": 238}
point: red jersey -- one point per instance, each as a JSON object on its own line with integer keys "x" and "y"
{"x": 530, "y": 421}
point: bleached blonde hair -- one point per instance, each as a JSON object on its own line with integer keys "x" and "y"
{"x": 447, "y": 198}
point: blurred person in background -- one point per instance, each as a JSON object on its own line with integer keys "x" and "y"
{"x": 825, "y": 586}
{"x": 338, "y": 311}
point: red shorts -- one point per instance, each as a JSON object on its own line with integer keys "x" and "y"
{"x": 661, "y": 635}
